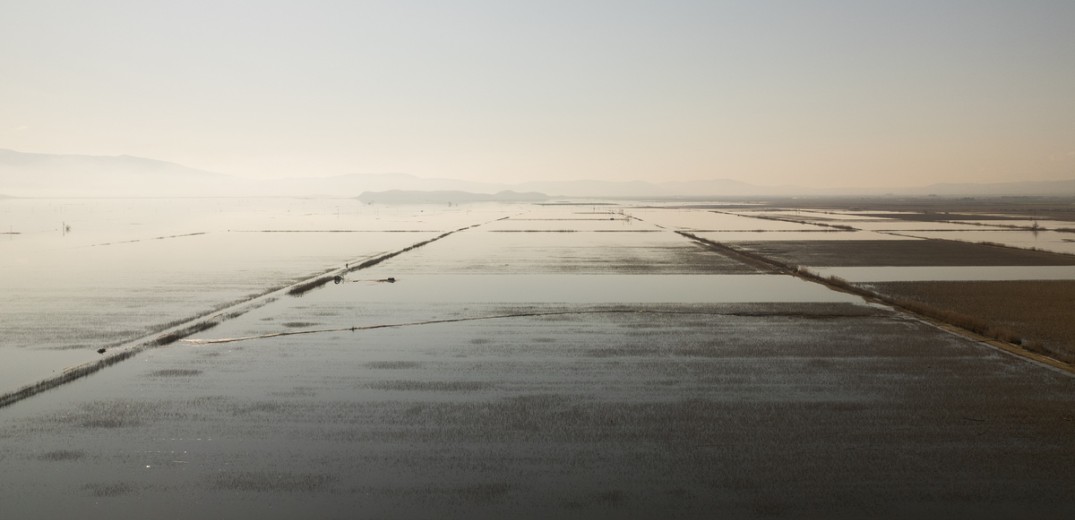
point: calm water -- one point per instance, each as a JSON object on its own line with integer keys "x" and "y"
{"x": 128, "y": 267}
{"x": 589, "y": 288}
{"x": 81, "y": 274}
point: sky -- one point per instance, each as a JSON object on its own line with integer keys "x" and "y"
{"x": 818, "y": 93}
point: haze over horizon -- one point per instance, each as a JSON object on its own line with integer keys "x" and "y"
{"x": 822, "y": 93}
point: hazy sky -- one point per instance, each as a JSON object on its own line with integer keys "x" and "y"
{"x": 824, "y": 93}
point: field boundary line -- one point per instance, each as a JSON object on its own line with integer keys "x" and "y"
{"x": 919, "y": 311}
{"x": 203, "y": 322}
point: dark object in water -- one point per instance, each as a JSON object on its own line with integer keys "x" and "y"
{"x": 100, "y": 351}
{"x": 337, "y": 280}
{"x": 390, "y": 279}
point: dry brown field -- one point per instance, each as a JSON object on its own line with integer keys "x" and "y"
{"x": 822, "y": 253}
{"x": 1038, "y": 313}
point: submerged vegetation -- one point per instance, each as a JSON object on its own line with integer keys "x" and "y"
{"x": 65, "y": 377}
{"x": 116, "y": 356}
{"x": 177, "y": 335}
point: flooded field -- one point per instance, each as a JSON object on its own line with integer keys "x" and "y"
{"x": 126, "y": 268}
{"x": 527, "y": 361}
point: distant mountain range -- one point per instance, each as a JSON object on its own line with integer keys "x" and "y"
{"x": 50, "y": 175}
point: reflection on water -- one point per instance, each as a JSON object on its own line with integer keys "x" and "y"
{"x": 698, "y": 220}
{"x": 487, "y": 250}
{"x": 607, "y": 288}
{"x": 771, "y": 236}
{"x": 573, "y": 222}
{"x": 821, "y": 216}
{"x": 129, "y": 267}
{"x": 910, "y": 225}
